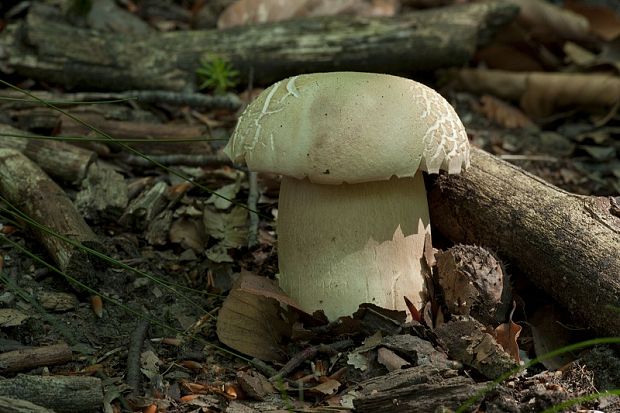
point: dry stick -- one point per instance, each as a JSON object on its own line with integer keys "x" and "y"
{"x": 195, "y": 100}
{"x": 567, "y": 244}
{"x": 178, "y": 159}
{"x": 30, "y": 358}
{"x": 252, "y": 206}
{"x": 308, "y": 353}
{"x": 133, "y": 355}
{"x": 27, "y": 187}
{"x": 59, "y": 159}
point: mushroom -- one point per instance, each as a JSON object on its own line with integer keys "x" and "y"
{"x": 352, "y": 213}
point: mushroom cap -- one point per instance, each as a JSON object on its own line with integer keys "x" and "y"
{"x": 349, "y": 127}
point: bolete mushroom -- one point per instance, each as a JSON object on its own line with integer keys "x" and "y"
{"x": 352, "y": 214}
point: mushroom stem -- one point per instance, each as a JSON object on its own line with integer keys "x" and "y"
{"x": 343, "y": 245}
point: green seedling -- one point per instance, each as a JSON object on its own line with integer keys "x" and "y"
{"x": 217, "y": 74}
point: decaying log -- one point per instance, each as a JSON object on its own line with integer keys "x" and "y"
{"x": 29, "y": 358}
{"x": 10, "y": 405}
{"x": 30, "y": 190}
{"x": 60, "y": 160}
{"x": 60, "y": 393}
{"x": 44, "y": 47}
{"x": 416, "y": 389}
{"x": 568, "y": 245}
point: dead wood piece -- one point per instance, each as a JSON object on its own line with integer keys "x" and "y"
{"x": 143, "y": 209}
{"x": 57, "y": 301}
{"x": 60, "y": 160}
{"x": 419, "y": 351}
{"x": 103, "y": 195}
{"x": 10, "y": 405}
{"x": 466, "y": 341}
{"x": 31, "y": 191}
{"x": 29, "y": 358}
{"x": 43, "y": 47}
{"x": 568, "y": 245}
{"x": 417, "y": 389}
{"x": 61, "y": 393}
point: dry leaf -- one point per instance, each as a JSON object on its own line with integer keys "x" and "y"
{"x": 508, "y": 57}
{"x": 252, "y": 321}
{"x": 188, "y": 233}
{"x": 544, "y": 20}
{"x": 604, "y": 22}
{"x": 254, "y": 384}
{"x": 244, "y": 12}
{"x": 578, "y": 55}
{"x": 326, "y": 388}
{"x": 546, "y": 93}
{"x": 506, "y": 336}
{"x": 548, "y": 335}
{"x": 542, "y": 94}
{"x": 415, "y": 314}
{"x": 504, "y": 114}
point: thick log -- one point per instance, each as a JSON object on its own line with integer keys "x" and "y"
{"x": 30, "y": 190}
{"x": 60, "y": 393}
{"x": 45, "y": 47}
{"x": 567, "y": 244}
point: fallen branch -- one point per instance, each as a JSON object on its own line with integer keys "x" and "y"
{"x": 60, "y": 393}
{"x": 568, "y": 245}
{"x": 30, "y": 190}
{"x": 30, "y": 358}
{"x": 45, "y": 47}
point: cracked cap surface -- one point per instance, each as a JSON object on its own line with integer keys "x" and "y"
{"x": 349, "y": 127}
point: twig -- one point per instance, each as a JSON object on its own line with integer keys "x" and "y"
{"x": 177, "y": 159}
{"x": 252, "y": 205}
{"x": 133, "y": 355}
{"x": 308, "y": 353}
{"x": 196, "y": 100}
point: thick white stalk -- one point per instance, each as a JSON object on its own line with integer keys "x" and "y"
{"x": 343, "y": 245}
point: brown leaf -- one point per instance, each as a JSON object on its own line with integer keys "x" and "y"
{"x": 542, "y": 94}
{"x": 415, "y": 314}
{"x": 244, "y": 12}
{"x": 604, "y": 22}
{"x": 504, "y": 114}
{"x": 506, "y": 336}
{"x": 544, "y": 20}
{"x": 252, "y": 321}
{"x": 546, "y": 93}
{"x": 508, "y": 57}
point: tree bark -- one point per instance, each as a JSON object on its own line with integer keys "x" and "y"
{"x": 45, "y": 47}
{"x": 568, "y": 245}
{"x": 416, "y": 389}
{"x": 61, "y": 393}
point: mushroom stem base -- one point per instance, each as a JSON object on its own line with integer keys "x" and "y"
{"x": 340, "y": 246}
